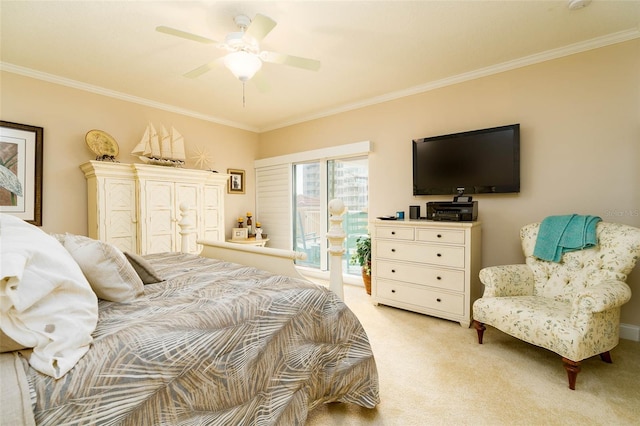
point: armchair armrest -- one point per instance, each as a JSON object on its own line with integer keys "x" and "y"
{"x": 507, "y": 280}
{"x": 599, "y": 298}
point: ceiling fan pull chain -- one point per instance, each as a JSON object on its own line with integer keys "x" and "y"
{"x": 243, "y": 102}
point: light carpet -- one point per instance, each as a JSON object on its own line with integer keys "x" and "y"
{"x": 434, "y": 372}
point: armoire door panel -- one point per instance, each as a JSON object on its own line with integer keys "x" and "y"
{"x": 160, "y": 244}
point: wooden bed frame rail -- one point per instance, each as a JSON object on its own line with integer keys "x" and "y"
{"x": 270, "y": 259}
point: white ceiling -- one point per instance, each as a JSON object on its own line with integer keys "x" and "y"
{"x": 370, "y": 51}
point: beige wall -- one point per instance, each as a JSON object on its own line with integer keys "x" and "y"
{"x": 67, "y": 114}
{"x": 580, "y": 144}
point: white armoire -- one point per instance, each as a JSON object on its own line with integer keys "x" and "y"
{"x": 136, "y": 207}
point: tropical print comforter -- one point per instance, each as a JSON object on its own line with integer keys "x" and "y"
{"x": 216, "y": 343}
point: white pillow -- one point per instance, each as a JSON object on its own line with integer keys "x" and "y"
{"x": 45, "y": 300}
{"x": 107, "y": 269}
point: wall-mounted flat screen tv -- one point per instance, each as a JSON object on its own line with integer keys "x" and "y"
{"x": 474, "y": 162}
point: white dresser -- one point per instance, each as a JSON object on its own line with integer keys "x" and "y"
{"x": 136, "y": 207}
{"x": 427, "y": 267}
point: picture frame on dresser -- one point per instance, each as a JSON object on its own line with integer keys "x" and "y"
{"x": 236, "y": 181}
{"x": 21, "y": 171}
{"x": 240, "y": 234}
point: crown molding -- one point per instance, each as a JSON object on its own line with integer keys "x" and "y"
{"x": 51, "y": 78}
{"x": 571, "y": 49}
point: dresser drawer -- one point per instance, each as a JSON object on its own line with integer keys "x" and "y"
{"x": 449, "y": 236}
{"x": 425, "y": 253}
{"x": 420, "y": 296}
{"x": 394, "y": 232}
{"x": 446, "y": 279}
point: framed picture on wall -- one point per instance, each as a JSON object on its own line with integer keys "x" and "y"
{"x": 21, "y": 171}
{"x": 236, "y": 181}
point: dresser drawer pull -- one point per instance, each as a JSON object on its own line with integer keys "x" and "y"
{"x": 393, "y": 291}
{"x": 439, "y": 235}
{"x": 438, "y": 300}
{"x": 438, "y": 278}
{"x": 393, "y": 271}
{"x": 393, "y": 232}
{"x": 393, "y": 250}
{"x": 439, "y": 254}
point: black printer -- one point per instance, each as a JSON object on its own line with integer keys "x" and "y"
{"x": 456, "y": 211}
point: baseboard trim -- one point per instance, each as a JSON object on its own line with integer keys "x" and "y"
{"x": 630, "y": 332}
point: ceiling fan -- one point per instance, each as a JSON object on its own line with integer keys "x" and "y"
{"x": 245, "y": 57}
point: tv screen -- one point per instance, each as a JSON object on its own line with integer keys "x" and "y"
{"x": 474, "y": 162}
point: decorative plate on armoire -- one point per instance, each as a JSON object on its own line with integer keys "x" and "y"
{"x": 102, "y": 144}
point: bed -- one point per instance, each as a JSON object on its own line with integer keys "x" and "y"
{"x": 203, "y": 341}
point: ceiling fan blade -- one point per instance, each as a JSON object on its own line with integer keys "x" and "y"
{"x": 259, "y": 28}
{"x": 293, "y": 61}
{"x": 195, "y": 73}
{"x": 184, "y": 34}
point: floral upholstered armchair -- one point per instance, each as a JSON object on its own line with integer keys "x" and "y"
{"x": 571, "y": 307}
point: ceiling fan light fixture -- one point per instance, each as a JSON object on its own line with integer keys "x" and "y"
{"x": 242, "y": 64}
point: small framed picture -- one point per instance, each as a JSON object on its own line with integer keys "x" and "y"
{"x": 236, "y": 181}
{"x": 239, "y": 233}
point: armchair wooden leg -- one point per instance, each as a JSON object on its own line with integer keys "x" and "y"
{"x": 480, "y": 328}
{"x": 606, "y": 357}
{"x": 573, "y": 368}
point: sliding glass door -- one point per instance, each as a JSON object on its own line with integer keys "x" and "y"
{"x": 308, "y": 213}
{"x": 315, "y": 183}
{"x": 348, "y": 180}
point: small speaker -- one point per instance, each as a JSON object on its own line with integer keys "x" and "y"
{"x": 414, "y": 212}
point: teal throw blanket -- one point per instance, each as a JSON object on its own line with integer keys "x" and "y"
{"x": 560, "y": 234}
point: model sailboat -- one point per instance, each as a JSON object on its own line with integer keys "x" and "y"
{"x": 166, "y": 149}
